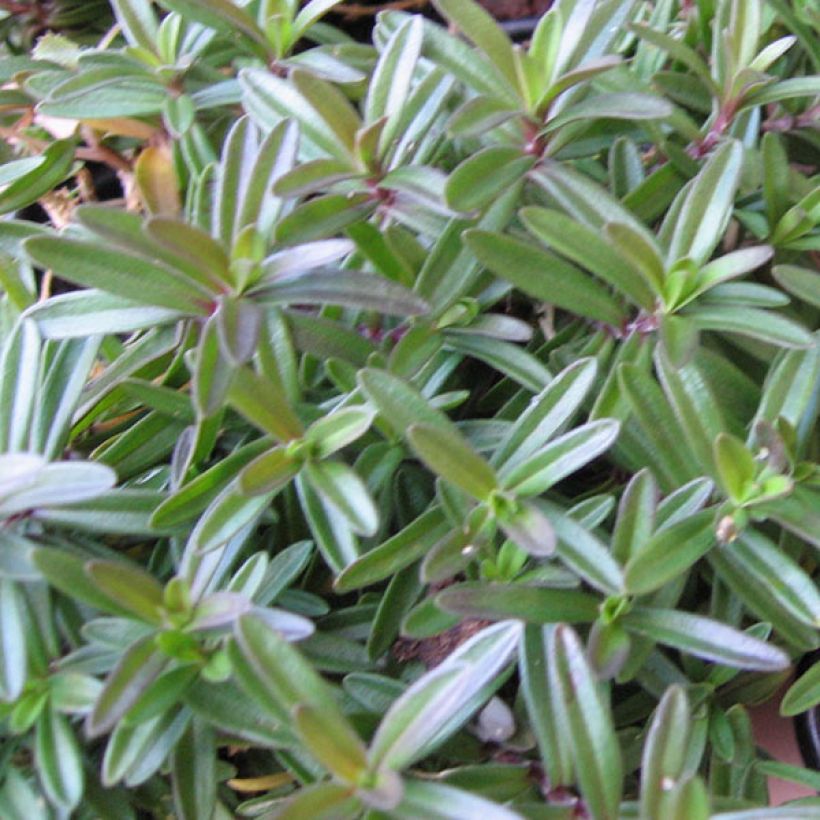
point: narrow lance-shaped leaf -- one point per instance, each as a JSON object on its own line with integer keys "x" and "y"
{"x": 548, "y": 412}
{"x": 398, "y": 552}
{"x": 587, "y": 248}
{"x": 332, "y": 742}
{"x": 340, "y": 486}
{"x": 93, "y": 265}
{"x": 139, "y": 666}
{"x": 58, "y": 759}
{"x": 706, "y": 206}
{"x": 342, "y": 287}
{"x": 221, "y": 15}
{"x": 636, "y": 516}
{"x": 706, "y": 638}
{"x": 670, "y": 553}
{"x": 664, "y": 753}
{"x": 595, "y": 750}
{"x": 130, "y": 586}
{"x": 451, "y": 457}
{"x": 400, "y": 404}
{"x": 561, "y": 457}
{"x": 438, "y": 801}
{"x": 193, "y": 770}
{"x": 483, "y": 30}
{"x": 534, "y": 604}
{"x": 54, "y": 166}
{"x": 803, "y": 694}
{"x": 553, "y": 744}
{"x": 544, "y": 276}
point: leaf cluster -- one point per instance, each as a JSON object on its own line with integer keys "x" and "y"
{"x": 420, "y": 428}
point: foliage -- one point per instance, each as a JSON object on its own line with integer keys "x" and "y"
{"x": 420, "y": 429}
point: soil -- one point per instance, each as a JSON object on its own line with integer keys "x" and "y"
{"x": 515, "y": 9}
{"x": 357, "y": 17}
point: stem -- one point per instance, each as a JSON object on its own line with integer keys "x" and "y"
{"x": 95, "y": 153}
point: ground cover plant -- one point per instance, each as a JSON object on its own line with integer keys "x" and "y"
{"x": 422, "y": 428}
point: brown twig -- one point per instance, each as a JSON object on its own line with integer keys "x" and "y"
{"x": 13, "y": 7}
{"x": 96, "y": 153}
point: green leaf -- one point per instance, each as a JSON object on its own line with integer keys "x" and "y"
{"x": 340, "y": 487}
{"x": 221, "y": 15}
{"x": 514, "y": 362}
{"x": 705, "y": 638}
{"x": 336, "y": 431}
{"x": 13, "y": 661}
{"x": 735, "y": 465}
{"x": 94, "y": 312}
{"x": 802, "y": 282}
{"x": 212, "y": 376}
{"x": 787, "y": 89}
{"x": 323, "y": 216}
{"x": 694, "y": 405}
{"x": 434, "y": 706}
{"x": 587, "y": 719}
{"x": 640, "y": 252}
{"x": 392, "y": 77}
{"x": 560, "y": 457}
{"x": 583, "y": 552}
{"x": 193, "y": 772}
{"x": 225, "y": 516}
{"x": 705, "y": 206}
{"x": 268, "y": 472}
{"x": 404, "y": 548}
{"x": 399, "y": 404}
{"x": 263, "y": 404}
{"x": 138, "y": 22}
{"x": 326, "y": 119}
{"x": 50, "y": 170}
{"x": 91, "y": 265}
{"x": 529, "y": 529}
{"x": 553, "y": 744}
{"x": 678, "y": 51}
{"x": 30, "y": 484}
{"x": 670, "y": 553}
{"x": 289, "y": 263}
{"x": 548, "y": 413}
{"x": 665, "y": 752}
{"x": 478, "y": 26}
{"x": 533, "y": 604}
{"x": 451, "y": 456}
{"x": 58, "y": 760}
{"x": 286, "y": 677}
{"x": 333, "y": 742}
{"x": 544, "y": 276}
{"x": 619, "y": 105}
{"x": 479, "y": 114}
{"x": 437, "y": 801}
{"x": 757, "y": 324}
{"x": 481, "y": 177}
{"x": 322, "y": 801}
{"x": 586, "y": 247}
{"x": 330, "y": 528}
{"x": 138, "y": 667}
{"x": 19, "y": 376}
{"x": 636, "y": 516}
{"x": 342, "y": 287}
{"x": 763, "y": 575}
{"x": 203, "y": 256}
{"x": 658, "y": 424}
{"x": 803, "y": 694}
{"x": 193, "y": 497}
{"x": 134, "y": 753}
{"x": 134, "y": 589}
